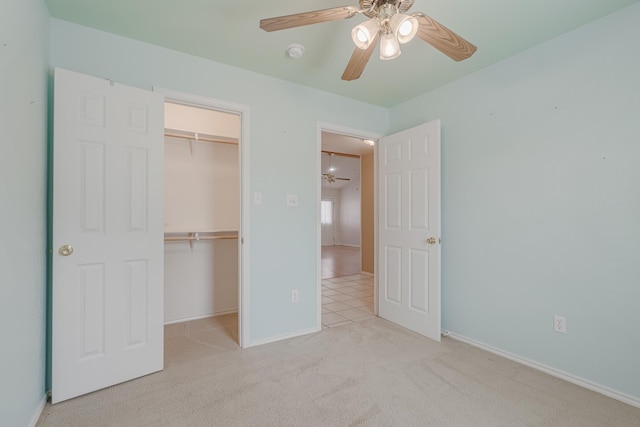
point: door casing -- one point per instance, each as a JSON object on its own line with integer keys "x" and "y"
{"x": 244, "y": 309}
{"x": 356, "y": 133}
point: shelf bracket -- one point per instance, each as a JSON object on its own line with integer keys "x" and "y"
{"x": 196, "y": 137}
{"x": 197, "y": 237}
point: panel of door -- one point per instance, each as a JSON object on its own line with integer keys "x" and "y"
{"x": 409, "y": 229}
{"x": 107, "y": 255}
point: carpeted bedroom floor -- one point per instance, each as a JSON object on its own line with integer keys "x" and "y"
{"x": 366, "y": 373}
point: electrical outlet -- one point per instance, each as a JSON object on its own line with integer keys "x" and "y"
{"x": 560, "y": 324}
{"x": 294, "y": 295}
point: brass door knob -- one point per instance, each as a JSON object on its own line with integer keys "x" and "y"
{"x": 65, "y": 250}
{"x": 431, "y": 241}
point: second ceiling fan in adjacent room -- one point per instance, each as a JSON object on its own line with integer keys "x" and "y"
{"x": 328, "y": 176}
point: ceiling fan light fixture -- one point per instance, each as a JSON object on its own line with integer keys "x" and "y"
{"x": 389, "y": 47}
{"x": 365, "y": 33}
{"x": 405, "y": 27}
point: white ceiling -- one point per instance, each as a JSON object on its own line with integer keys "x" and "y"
{"x": 228, "y": 31}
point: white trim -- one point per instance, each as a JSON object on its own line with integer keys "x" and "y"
{"x": 284, "y": 337}
{"x": 244, "y": 308}
{"x": 204, "y": 316}
{"x": 357, "y": 133}
{"x": 319, "y": 227}
{"x": 344, "y": 244}
{"x": 366, "y": 273}
{"x": 376, "y": 287}
{"x": 38, "y": 413}
{"x": 344, "y": 130}
{"x": 598, "y": 388}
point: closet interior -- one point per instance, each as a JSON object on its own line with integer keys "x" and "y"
{"x": 201, "y": 213}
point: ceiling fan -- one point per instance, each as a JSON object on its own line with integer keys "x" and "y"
{"x": 331, "y": 178}
{"x": 387, "y": 23}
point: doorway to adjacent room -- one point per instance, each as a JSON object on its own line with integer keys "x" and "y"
{"x": 346, "y": 230}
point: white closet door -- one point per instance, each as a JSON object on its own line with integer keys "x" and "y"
{"x": 107, "y": 261}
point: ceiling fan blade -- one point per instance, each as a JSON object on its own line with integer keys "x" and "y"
{"x": 344, "y": 179}
{"x": 443, "y": 39}
{"x": 359, "y": 60}
{"x": 308, "y": 18}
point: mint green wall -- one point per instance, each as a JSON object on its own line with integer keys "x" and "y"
{"x": 540, "y": 187}
{"x": 541, "y": 201}
{"x": 283, "y": 118}
{"x": 24, "y": 56}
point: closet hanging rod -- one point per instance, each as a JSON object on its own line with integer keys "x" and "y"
{"x": 196, "y": 238}
{"x": 195, "y": 136}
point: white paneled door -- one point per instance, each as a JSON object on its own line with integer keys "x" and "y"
{"x": 409, "y": 229}
{"x": 107, "y": 255}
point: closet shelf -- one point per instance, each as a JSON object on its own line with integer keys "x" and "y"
{"x": 201, "y": 137}
{"x": 194, "y": 236}
{"x": 170, "y": 231}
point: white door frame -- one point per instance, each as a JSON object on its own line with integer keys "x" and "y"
{"x": 244, "y": 333}
{"x": 357, "y": 133}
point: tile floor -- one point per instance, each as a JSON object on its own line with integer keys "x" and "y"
{"x": 346, "y": 299}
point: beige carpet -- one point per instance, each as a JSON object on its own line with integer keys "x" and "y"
{"x": 368, "y": 373}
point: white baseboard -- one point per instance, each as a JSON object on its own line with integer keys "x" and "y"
{"x": 348, "y": 245}
{"x": 366, "y": 273}
{"x": 284, "y": 337}
{"x": 38, "y": 413}
{"x": 204, "y": 316}
{"x": 598, "y": 388}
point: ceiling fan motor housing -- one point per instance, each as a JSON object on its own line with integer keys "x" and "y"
{"x": 371, "y": 7}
